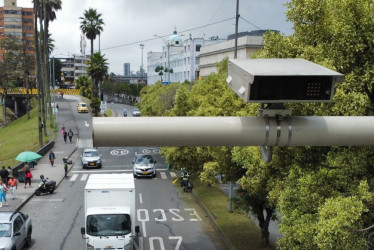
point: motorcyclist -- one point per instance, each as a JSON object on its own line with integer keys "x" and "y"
{"x": 185, "y": 178}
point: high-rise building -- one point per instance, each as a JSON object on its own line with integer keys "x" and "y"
{"x": 126, "y": 69}
{"x": 19, "y": 22}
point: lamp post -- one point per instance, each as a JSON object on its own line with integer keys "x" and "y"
{"x": 168, "y": 46}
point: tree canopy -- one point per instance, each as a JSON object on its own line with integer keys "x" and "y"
{"x": 324, "y": 195}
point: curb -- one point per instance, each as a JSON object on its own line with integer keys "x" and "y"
{"x": 211, "y": 219}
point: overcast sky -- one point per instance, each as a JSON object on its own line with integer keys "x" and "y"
{"x": 128, "y": 23}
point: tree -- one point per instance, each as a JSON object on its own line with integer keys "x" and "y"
{"x": 95, "y": 106}
{"x": 11, "y": 67}
{"x": 97, "y": 69}
{"x": 161, "y": 70}
{"x": 83, "y": 83}
{"x": 324, "y": 193}
{"x": 91, "y": 25}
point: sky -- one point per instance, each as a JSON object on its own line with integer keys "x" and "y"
{"x": 129, "y": 23}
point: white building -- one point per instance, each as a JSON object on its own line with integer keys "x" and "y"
{"x": 248, "y": 44}
{"x": 181, "y": 55}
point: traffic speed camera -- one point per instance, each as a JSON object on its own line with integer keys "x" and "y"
{"x": 281, "y": 80}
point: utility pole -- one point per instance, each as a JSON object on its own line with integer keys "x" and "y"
{"x": 236, "y": 30}
{"x": 141, "y": 66}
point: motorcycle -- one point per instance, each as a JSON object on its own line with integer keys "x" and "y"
{"x": 45, "y": 187}
{"x": 187, "y": 186}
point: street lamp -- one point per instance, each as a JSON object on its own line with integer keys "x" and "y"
{"x": 168, "y": 46}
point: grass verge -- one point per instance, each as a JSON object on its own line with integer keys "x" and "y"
{"x": 20, "y": 135}
{"x": 240, "y": 231}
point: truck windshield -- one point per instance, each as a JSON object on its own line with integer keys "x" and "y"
{"x": 4, "y": 229}
{"x": 108, "y": 224}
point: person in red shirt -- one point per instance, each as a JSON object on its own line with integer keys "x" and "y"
{"x": 12, "y": 183}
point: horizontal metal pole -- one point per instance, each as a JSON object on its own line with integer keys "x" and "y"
{"x": 233, "y": 131}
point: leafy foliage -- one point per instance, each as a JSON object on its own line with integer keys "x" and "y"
{"x": 83, "y": 83}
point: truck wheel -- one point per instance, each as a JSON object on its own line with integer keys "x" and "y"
{"x": 28, "y": 239}
{"x": 37, "y": 193}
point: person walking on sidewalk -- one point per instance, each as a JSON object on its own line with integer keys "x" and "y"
{"x": 3, "y": 190}
{"x": 70, "y": 134}
{"x": 12, "y": 183}
{"x": 65, "y": 134}
{"x": 28, "y": 176}
{"x": 52, "y": 158}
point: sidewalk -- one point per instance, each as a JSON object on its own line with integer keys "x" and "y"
{"x": 56, "y": 173}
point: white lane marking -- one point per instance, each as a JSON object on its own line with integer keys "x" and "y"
{"x": 86, "y": 124}
{"x": 84, "y": 177}
{"x": 173, "y": 174}
{"x": 102, "y": 171}
{"x": 140, "y": 198}
{"x": 73, "y": 177}
{"x": 163, "y": 175}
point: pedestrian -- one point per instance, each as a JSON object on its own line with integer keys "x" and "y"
{"x": 28, "y": 176}
{"x": 63, "y": 128}
{"x": 65, "y": 135}
{"x": 12, "y": 184}
{"x": 3, "y": 190}
{"x": 10, "y": 171}
{"x": 52, "y": 158}
{"x": 4, "y": 174}
{"x": 32, "y": 164}
{"x": 70, "y": 134}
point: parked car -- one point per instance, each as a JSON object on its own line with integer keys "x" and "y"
{"x": 82, "y": 107}
{"x": 136, "y": 112}
{"x": 15, "y": 230}
{"x": 144, "y": 165}
{"x": 124, "y": 112}
{"x": 91, "y": 158}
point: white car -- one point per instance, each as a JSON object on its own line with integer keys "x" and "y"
{"x": 15, "y": 230}
{"x": 91, "y": 158}
{"x": 144, "y": 165}
{"x": 136, "y": 112}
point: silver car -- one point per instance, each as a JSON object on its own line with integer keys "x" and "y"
{"x": 144, "y": 165}
{"x": 136, "y": 112}
{"x": 91, "y": 158}
{"x": 15, "y": 230}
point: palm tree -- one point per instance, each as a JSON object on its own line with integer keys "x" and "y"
{"x": 91, "y": 25}
{"x": 97, "y": 69}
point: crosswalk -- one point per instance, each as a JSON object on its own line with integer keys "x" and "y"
{"x": 83, "y": 175}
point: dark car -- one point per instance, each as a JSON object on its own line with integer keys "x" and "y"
{"x": 144, "y": 165}
{"x": 91, "y": 158}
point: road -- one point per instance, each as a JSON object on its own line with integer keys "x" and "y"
{"x": 168, "y": 218}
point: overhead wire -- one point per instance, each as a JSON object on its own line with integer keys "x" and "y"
{"x": 154, "y": 38}
{"x": 250, "y": 23}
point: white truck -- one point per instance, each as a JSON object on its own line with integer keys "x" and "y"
{"x": 109, "y": 205}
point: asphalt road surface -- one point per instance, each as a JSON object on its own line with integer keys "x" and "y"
{"x": 168, "y": 217}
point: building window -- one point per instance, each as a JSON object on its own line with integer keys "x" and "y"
{"x": 13, "y": 26}
{"x": 28, "y": 20}
{"x": 198, "y": 46}
{"x": 27, "y": 13}
{"x": 12, "y": 19}
{"x": 13, "y": 12}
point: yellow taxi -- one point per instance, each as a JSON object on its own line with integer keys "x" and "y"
{"x": 82, "y": 107}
